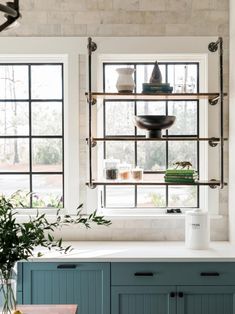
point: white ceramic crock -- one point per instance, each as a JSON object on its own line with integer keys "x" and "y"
{"x": 125, "y": 82}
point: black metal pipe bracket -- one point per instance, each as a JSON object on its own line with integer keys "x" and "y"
{"x": 213, "y": 47}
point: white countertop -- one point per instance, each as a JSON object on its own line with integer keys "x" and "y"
{"x": 149, "y": 251}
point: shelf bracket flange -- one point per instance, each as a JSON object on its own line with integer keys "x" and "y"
{"x": 91, "y": 185}
{"x": 213, "y": 186}
{"x": 91, "y": 99}
{"x": 213, "y": 142}
{"x": 92, "y": 46}
{"x": 213, "y": 101}
{"x": 213, "y": 46}
{"x": 93, "y": 143}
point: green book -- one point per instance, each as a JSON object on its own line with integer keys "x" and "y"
{"x": 181, "y": 176}
{"x": 179, "y": 180}
{"x": 180, "y": 171}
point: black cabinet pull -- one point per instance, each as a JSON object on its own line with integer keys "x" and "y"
{"x": 180, "y": 294}
{"x": 143, "y": 274}
{"x": 209, "y": 274}
{"x": 66, "y": 266}
{"x": 172, "y": 294}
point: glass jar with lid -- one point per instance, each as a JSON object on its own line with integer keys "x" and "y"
{"x": 137, "y": 174}
{"x": 111, "y": 169}
{"x": 125, "y": 171}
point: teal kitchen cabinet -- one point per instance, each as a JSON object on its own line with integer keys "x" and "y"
{"x": 84, "y": 284}
{"x": 131, "y": 288}
{"x": 206, "y": 300}
{"x": 143, "y": 300}
{"x": 173, "y": 288}
{"x": 173, "y": 300}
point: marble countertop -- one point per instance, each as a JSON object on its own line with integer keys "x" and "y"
{"x": 128, "y": 251}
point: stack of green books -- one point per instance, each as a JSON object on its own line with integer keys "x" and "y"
{"x": 181, "y": 175}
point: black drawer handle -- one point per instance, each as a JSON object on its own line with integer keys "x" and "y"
{"x": 66, "y": 266}
{"x": 172, "y": 294}
{"x": 210, "y": 274}
{"x": 143, "y": 274}
{"x": 180, "y": 294}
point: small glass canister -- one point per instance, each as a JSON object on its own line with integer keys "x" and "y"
{"x": 125, "y": 171}
{"x": 111, "y": 169}
{"x": 137, "y": 174}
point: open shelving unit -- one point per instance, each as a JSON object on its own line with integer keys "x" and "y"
{"x": 216, "y": 98}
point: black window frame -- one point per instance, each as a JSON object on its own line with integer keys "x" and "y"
{"x": 30, "y": 100}
{"x": 134, "y": 64}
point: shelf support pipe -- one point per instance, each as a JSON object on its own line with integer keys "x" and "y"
{"x": 91, "y": 48}
{"x": 214, "y": 46}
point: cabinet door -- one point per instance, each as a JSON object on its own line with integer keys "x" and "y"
{"x": 143, "y": 300}
{"x": 206, "y": 300}
{"x": 84, "y": 284}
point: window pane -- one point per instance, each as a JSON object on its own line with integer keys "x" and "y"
{"x": 14, "y": 82}
{"x": 14, "y": 118}
{"x": 151, "y": 196}
{"x": 151, "y": 155}
{"x": 47, "y": 155}
{"x": 183, "y": 78}
{"x": 186, "y": 117}
{"x": 48, "y": 191}
{"x": 119, "y": 118}
{"x": 151, "y": 108}
{"x": 9, "y": 184}
{"x": 124, "y": 151}
{"x": 183, "y": 151}
{"x": 111, "y": 76}
{"x": 14, "y": 155}
{"x": 185, "y": 196}
{"x": 152, "y": 177}
{"x": 143, "y": 75}
{"x": 46, "y": 82}
{"x": 47, "y": 118}
{"x": 117, "y": 196}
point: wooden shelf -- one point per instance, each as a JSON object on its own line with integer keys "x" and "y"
{"x": 163, "y": 96}
{"x": 164, "y": 138}
{"x": 213, "y": 183}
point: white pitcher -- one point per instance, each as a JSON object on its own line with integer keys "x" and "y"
{"x": 125, "y": 82}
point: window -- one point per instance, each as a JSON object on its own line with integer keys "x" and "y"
{"x": 153, "y": 157}
{"x": 32, "y": 133}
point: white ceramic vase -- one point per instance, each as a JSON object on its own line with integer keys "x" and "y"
{"x": 125, "y": 82}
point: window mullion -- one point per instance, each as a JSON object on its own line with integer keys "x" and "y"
{"x": 135, "y": 148}
{"x": 30, "y": 138}
{"x": 167, "y": 144}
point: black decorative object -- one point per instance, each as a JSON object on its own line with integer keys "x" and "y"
{"x": 154, "y": 124}
{"x": 156, "y": 76}
{"x": 12, "y": 14}
{"x": 155, "y": 85}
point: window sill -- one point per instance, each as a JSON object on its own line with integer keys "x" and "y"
{"x": 119, "y": 214}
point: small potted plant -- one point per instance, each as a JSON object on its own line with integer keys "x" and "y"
{"x": 18, "y": 241}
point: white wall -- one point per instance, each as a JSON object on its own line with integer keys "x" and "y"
{"x": 232, "y": 124}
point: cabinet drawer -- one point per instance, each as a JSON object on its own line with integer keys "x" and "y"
{"x": 173, "y": 273}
